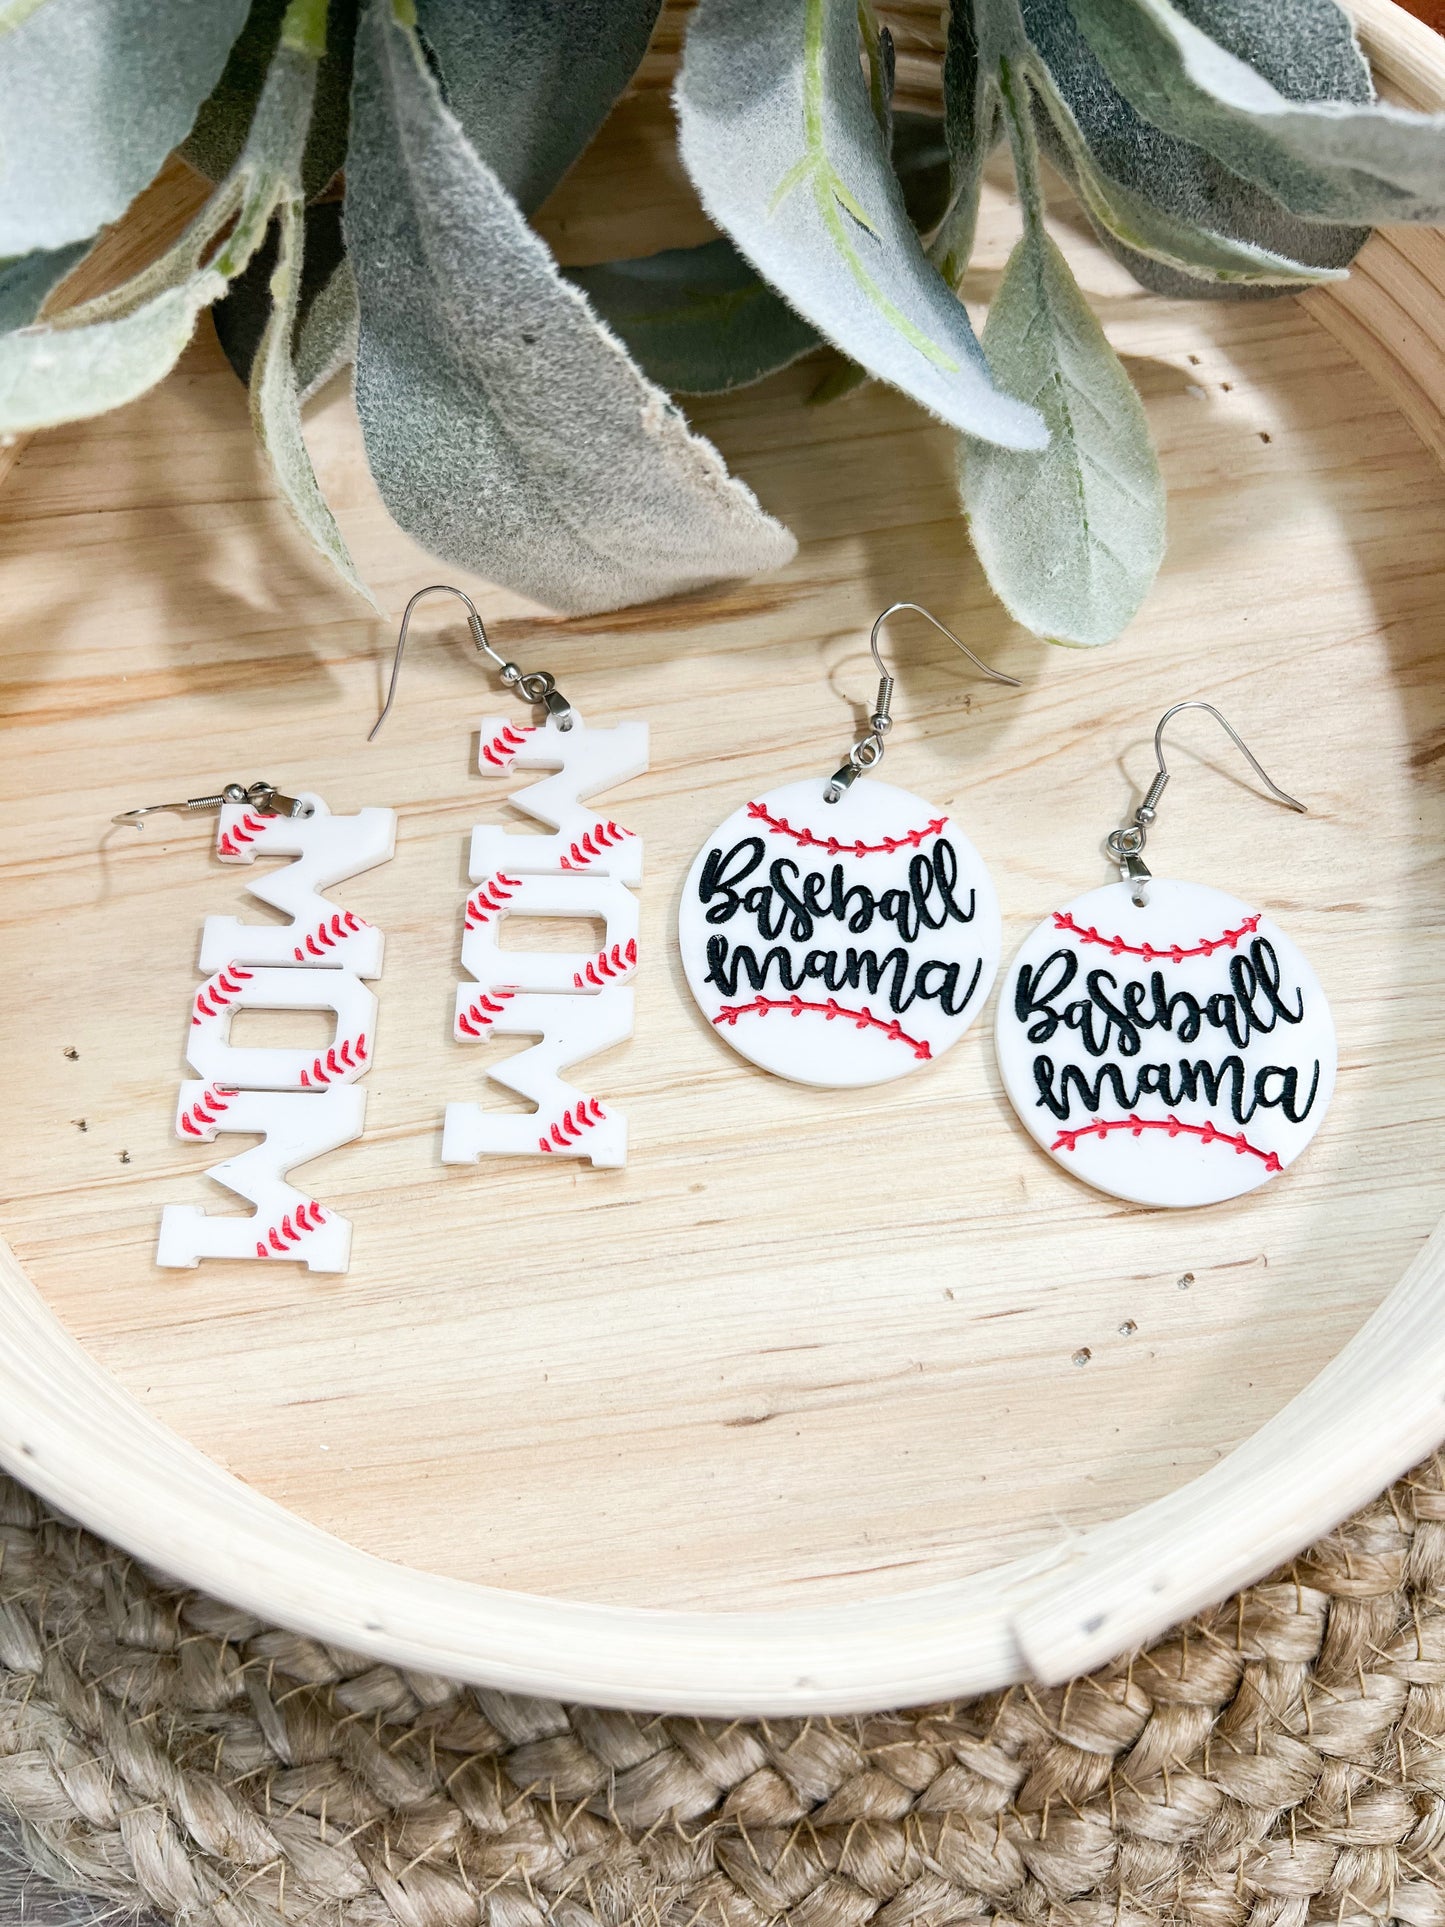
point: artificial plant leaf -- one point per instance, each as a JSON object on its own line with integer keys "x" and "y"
{"x": 104, "y": 353}
{"x": 778, "y": 134}
{"x": 276, "y": 405}
{"x": 93, "y": 95}
{"x": 242, "y": 318}
{"x": 506, "y": 428}
{"x": 1070, "y": 537}
{"x": 1151, "y": 195}
{"x": 970, "y": 120}
{"x": 326, "y": 337}
{"x": 531, "y": 81}
{"x": 28, "y": 278}
{"x": 1328, "y": 160}
{"x": 215, "y": 142}
{"x": 698, "y": 320}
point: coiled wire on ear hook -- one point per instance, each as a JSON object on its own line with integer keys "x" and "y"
{"x": 535, "y": 686}
{"x": 1126, "y": 846}
{"x": 867, "y": 752}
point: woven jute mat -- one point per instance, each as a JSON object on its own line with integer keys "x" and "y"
{"x": 1281, "y": 1760}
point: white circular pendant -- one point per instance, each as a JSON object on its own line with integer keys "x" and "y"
{"x": 839, "y": 943}
{"x": 1177, "y": 1052}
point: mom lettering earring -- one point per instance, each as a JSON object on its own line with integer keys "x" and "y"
{"x": 301, "y": 1103}
{"x": 1163, "y": 1041}
{"x": 839, "y": 931}
{"x": 575, "y": 1004}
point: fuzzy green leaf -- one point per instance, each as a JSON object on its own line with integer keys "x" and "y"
{"x": 219, "y": 135}
{"x": 779, "y": 136}
{"x": 1072, "y": 537}
{"x": 531, "y": 81}
{"x": 28, "y": 278}
{"x": 108, "y": 351}
{"x": 506, "y": 428}
{"x": 970, "y": 120}
{"x": 698, "y": 320}
{"x": 324, "y": 326}
{"x": 93, "y": 95}
{"x": 276, "y": 407}
{"x": 1178, "y": 218}
{"x": 1328, "y": 160}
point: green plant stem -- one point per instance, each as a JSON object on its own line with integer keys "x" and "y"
{"x": 304, "y": 27}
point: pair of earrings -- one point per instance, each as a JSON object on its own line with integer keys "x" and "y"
{"x": 837, "y": 931}
{"x": 1163, "y": 1041}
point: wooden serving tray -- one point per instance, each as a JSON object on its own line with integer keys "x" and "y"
{"x": 829, "y": 1398}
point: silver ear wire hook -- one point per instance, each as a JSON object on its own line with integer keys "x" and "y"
{"x": 263, "y": 797}
{"x": 1126, "y": 846}
{"x": 867, "y": 752}
{"x": 536, "y": 685}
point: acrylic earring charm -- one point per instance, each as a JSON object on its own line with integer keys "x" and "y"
{"x": 1163, "y": 1041}
{"x": 839, "y": 931}
{"x": 300, "y": 1103}
{"x": 574, "y": 1004}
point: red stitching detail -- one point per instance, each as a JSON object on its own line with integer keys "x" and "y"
{"x": 229, "y": 842}
{"x": 483, "y": 904}
{"x": 1206, "y": 1133}
{"x": 214, "y": 995}
{"x": 324, "y": 1070}
{"x": 1174, "y": 953}
{"x": 330, "y": 932}
{"x": 782, "y": 827}
{"x": 477, "y": 1017}
{"x": 616, "y": 962}
{"x": 281, "y": 1237}
{"x": 795, "y": 1007}
{"x": 570, "y": 1126}
{"x": 594, "y": 843}
{"x": 503, "y": 747}
{"x": 212, "y": 1103}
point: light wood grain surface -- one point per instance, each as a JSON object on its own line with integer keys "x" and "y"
{"x": 808, "y": 1347}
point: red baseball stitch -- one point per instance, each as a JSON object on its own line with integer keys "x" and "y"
{"x": 831, "y": 844}
{"x": 570, "y": 1126}
{"x": 594, "y": 843}
{"x": 213, "y": 997}
{"x": 230, "y": 842}
{"x": 281, "y": 1237}
{"x": 213, "y": 1101}
{"x": 1172, "y": 953}
{"x": 483, "y": 904}
{"x": 347, "y": 1056}
{"x": 503, "y": 747}
{"x": 860, "y": 1019}
{"x": 1206, "y": 1133}
{"x": 328, "y": 934}
{"x": 616, "y": 962}
{"x": 479, "y": 1016}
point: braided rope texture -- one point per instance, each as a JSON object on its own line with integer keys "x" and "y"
{"x": 1279, "y": 1761}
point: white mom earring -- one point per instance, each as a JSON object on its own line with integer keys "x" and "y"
{"x": 300, "y": 1103}
{"x": 1163, "y": 1041}
{"x": 839, "y": 931}
{"x": 574, "y": 1004}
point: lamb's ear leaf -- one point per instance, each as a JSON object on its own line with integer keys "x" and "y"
{"x": 778, "y": 133}
{"x": 970, "y": 123}
{"x": 531, "y": 83}
{"x": 1177, "y": 217}
{"x": 93, "y": 95}
{"x": 276, "y": 404}
{"x": 106, "y": 352}
{"x": 26, "y": 279}
{"x": 507, "y": 429}
{"x": 697, "y": 320}
{"x": 1071, "y": 537}
{"x": 215, "y": 142}
{"x": 1357, "y": 162}
{"x": 242, "y": 318}
{"x": 326, "y": 337}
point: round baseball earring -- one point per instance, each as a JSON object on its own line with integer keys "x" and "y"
{"x": 1163, "y": 1041}
{"x": 839, "y": 931}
